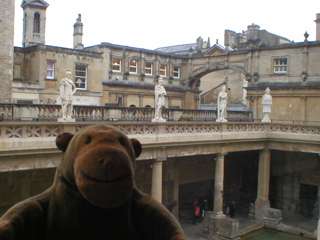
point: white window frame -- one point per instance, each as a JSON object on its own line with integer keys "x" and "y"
{"x": 176, "y": 73}
{"x": 163, "y": 72}
{"x": 280, "y": 65}
{"x": 133, "y": 66}
{"x": 116, "y": 65}
{"x": 79, "y": 79}
{"x": 51, "y": 70}
{"x": 147, "y": 69}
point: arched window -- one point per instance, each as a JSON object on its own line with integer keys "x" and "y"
{"x": 25, "y": 24}
{"x": 36, "y": 23}
{"x": 132, "y": 105}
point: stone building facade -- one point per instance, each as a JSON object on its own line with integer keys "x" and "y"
{"x": 111, "y": 74}
{"x": 6, "y": 46}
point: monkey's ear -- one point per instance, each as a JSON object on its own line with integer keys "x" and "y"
{"x": 136, "y": 146}
{"x": 63, "y": 139}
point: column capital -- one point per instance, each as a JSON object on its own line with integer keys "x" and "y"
{"x": 160, "y": 159}
{"x": 266, "y": 150}
{"x": 222, "y": 154}
{"x": 304, "y": 98}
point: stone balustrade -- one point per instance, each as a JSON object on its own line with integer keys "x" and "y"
{"x": 34, "y": 142}
{"x": 45, "y": 112}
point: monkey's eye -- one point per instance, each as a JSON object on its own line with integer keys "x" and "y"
{"x": 88, "y": 140}
{"x": 122, "y": 141}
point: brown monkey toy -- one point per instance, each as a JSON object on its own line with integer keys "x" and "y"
{"x": 93, "y": 197}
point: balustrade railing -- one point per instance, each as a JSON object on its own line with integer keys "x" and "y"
{"x": 45, "y": 112}
{"x": 20, "y": 130}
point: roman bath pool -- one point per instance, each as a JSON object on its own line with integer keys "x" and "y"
{"x": 268, "y": 234}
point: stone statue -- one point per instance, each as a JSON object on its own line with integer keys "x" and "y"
{"x": 159, "y": 93}
{"x": 222, "y": 105}
{"x": 266, "y": 102}
{"x": 67, "y": 89}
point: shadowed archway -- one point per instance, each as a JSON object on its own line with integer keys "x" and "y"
{"x": 197, "y": 74}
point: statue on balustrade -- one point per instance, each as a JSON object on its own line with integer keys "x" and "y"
{"x": 159, "y": 92}
{"x": 222, "y": 105}
{"x": 67, "y": 89}
{"x": 266, "y": 103}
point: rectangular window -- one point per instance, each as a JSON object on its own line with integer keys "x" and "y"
{"x": 116, "y": 65}
{"x": 50, "y": 69}
{"x": 133, "y": 67}
{"x": 280, "y": 65}
{"x": 176, "y": 72}
{"x": 148, "y": 69}
{"x": 162, "y": 70}
{"x": 17, "y": 71}
{"x": 81, "y": 76}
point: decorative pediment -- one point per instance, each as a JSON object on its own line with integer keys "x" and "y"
{"x": 217, "y": 49}
{"x": 34, "y": 4}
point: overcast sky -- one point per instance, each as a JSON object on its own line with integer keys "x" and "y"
{"x": 152, "y": 24}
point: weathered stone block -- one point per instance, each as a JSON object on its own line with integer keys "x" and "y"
{"x": 272, "y": 216}
{"x": 228, "y": 228}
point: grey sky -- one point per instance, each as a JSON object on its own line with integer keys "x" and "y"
{"x": 151, "y": 24}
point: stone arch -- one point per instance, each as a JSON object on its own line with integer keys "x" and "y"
{"x": 197, "y": 74}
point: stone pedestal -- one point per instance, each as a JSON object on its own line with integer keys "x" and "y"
{"x": 158, "y": 120}
{"x": 251, "y": 214}
{"x": 272, "y": 216}
{"x": 222, "y": 120}
{"x": 220, "y": 228}
{"x": 266, "y": 118}
{"x": 261, "y": 207}
{"x": 66, "y": 120}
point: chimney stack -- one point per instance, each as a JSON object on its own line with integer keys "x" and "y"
{"x": 77, "y": 35}
{"x": 253, "y": 31}
{"x": 199, "y": 44}
{"x": 317, "y": 27}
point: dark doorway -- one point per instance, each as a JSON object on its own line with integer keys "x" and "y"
{"x": 308, "y": 198}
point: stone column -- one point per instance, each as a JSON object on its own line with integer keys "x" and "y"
{"x": 183, "y": 102}
{"x": 156, "y": 188}
{"x": 125, "y": 100}
{"x": 218, "y": 186}
{"x": 141, "y": 96}
{"x": 318, "y": 209}
{"x": 176, "y": 183}
{"x": 170, "y": 101}
{"x": 262, "y": 201}
{"x": 255, "y": 108}
{"x": 303, "y": 108}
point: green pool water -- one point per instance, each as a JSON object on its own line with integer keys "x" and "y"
{"x": 267, "y": 234}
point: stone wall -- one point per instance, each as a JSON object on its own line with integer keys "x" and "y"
{"x": 6, "y": 48}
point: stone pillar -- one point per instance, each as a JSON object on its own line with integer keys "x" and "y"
{"x": 218, "y": 186}
{"x": 141, "y": 100}
{"x": 255, "y": 108}
{"x": 183, "y": 102}
{"x": 317, "y": 208}
{"x": 262, "y": 202}
{"x": 176, "y": 183}
{"x": 317, "y": 21}
{"x": 125, "y": 100}
{"x": 156, "y": 188}
{"x": 303, "y": 108}
{"x": 169, "y": 101}
{"x": 6, "y": 46}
